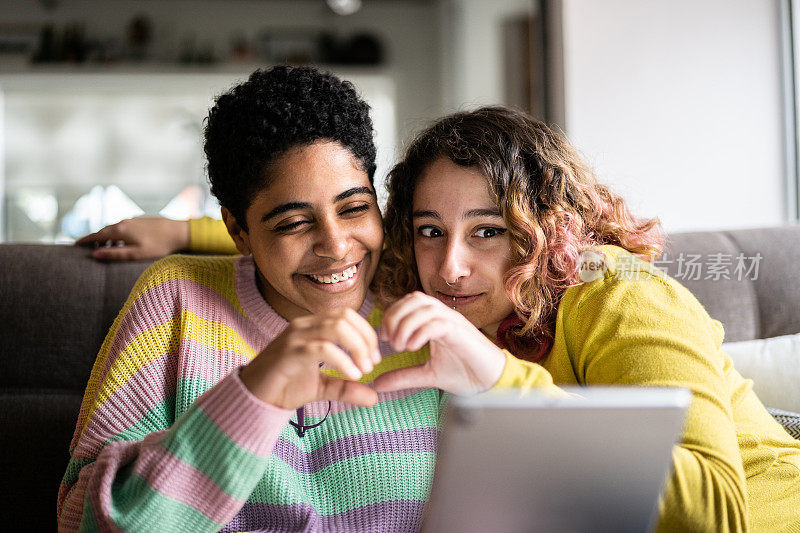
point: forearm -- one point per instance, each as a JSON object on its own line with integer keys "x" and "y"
{"x": 524, "y": 375}
{"x": 703, "y": 494}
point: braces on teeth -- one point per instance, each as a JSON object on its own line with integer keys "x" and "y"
{"x": 335, "y": 278}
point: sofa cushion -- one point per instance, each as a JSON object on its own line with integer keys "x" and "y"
{"x": 773, "y": 365}
{"x": 36, "y": 428}
{"x": 790, "y": 421}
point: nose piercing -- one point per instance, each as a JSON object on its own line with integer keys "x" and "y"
{"x": 452, "y": 284}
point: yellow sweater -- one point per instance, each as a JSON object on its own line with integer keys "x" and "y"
{"x": 735, "y": 469}
{"x": 207, "y": 235}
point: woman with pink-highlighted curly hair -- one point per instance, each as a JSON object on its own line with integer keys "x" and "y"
{"x": 491, "y": 217}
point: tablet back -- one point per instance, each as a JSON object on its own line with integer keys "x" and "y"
{"x": 596, "y": 462}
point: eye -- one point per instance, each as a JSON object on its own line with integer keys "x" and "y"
{"x": 356, "y": 209}
{"x": 286, "y": 228}
{"x": 429, "y": 232}
{"x": 488, "y": 233}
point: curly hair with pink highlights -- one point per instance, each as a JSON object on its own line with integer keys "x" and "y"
{"x": 549, "y": 198}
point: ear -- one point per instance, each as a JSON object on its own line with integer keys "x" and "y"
{"x": 240, "y": 237}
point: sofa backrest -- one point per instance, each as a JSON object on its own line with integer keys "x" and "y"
{"x": 57, "y": 306}
{"x": 762, "y": 303}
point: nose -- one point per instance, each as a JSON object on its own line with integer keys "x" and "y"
{"x": 333, "y": 240}
{"x": 455, "y": 261}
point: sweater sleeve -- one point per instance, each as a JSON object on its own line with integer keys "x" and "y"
{"x": 524, "y": 375}
{"x": 132, "y": 464}
{"x": 651, "y": 331}
{"x": 208, "y": 235}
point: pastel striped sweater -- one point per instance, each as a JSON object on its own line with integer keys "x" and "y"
{"x": 169, "y": 439}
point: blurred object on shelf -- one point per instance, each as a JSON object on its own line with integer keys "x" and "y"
{"x": 290, "y": 46}
{"x": 241, "y": 48}
{"x": 74, "y": 46}
{"x": 73, "y": 43}
{"x": 69, "y": 45}
{"x": 18, "y": 41}
{"x": 48, "y": 48}
{"x": 313, "y": 46}
{"x": 193, "y": 53}
{"x": 362, "y": 49}
{"x": 344, "y": 7}
{"x": 359, "y": 49}
{"x": 139, "y": 34}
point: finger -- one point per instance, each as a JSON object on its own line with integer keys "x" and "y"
{"x": 346, "y": 391}
{"x": 431, "y": 330}
{"x": 367, "y": 332}
{"x": 395, "y": 313}
{"x": 341, "y": 331}
{"x": 412, "y": 322}
{"x": 333, "y": 356}
{"x": 405, "y": 378}
{"x": 86, "y": 240}
{"x": 108, "y": 233}
{"x": 117, "y": 253}
{"x": 90, "y": 239}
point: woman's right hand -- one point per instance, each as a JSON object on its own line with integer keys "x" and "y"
{"x": 287, "y": 373}
{"x": 140, "y": 238}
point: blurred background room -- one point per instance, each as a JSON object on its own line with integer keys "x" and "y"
{"x": 685, "y": 107}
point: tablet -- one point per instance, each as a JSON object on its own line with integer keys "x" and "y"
{"x": 595, "y": 460}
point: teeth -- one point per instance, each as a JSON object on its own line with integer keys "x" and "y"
{"x": 335, "y": 278}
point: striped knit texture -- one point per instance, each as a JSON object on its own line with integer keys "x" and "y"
{"x": 169, "y": 439}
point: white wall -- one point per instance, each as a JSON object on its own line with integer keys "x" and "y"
{"x": 677, "y": 104}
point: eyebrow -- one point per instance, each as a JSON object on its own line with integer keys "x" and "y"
{"x": 351, "y": 192}
{"x": 289, "y": 206}
{"x": 472, "y": 213}
{"x": 292, "y": 206}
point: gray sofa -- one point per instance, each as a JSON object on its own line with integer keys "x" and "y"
{"x": 56, "y": 305}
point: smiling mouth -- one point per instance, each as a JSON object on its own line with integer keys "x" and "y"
{"x": 336, "y": 277}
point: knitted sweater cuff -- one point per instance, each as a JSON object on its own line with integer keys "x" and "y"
{"x": 249, "y": 422}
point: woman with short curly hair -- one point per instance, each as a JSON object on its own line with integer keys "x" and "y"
{"x": 495, "y": 218}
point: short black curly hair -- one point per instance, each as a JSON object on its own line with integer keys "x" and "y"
{"x": 257, "y": 121}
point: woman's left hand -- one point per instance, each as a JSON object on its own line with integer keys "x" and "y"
{"x": 463, "y": 360}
